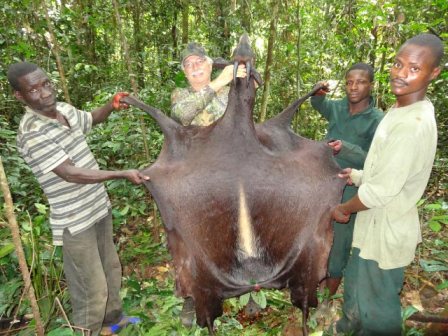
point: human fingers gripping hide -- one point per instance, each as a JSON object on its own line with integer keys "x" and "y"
{"x": 339, "y": 215}
{"x": 336, "y": 145}
{"x": 241, "y": 72}
{"x": 345, "y": 174}
{"x": 136, "y": 177}
{"x": 117, "y": 103}
{"x": 143, "y": 177}
{"x": 324, "y": 88}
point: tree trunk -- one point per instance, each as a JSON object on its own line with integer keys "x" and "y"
{"x": 56, "y": 53}
{"x": 124, "y": 45}
{"x": 15, "y": 231}
{"x": 174, "y": 35}
{"x": 270, "y": 52}
{"x": 298, "y": 65}
{"x": 125, "y": 48}
{"x": 223, "y": 34}
{"x": 185, "y": 13}
{"x": 246, "y": 16}
{"x": 138, "y": 45}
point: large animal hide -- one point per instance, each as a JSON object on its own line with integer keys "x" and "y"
{"x": 244, "y": 206}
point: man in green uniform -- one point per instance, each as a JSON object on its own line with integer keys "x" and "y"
{"x": 352, "y": 122}
{"x": 204, "y": 101}
{"x": 394, "y": 177}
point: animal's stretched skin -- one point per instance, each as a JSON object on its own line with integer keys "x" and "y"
{"x": 244, "y": 206}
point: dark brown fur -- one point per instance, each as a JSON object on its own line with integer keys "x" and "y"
{"x": 290, "y": 184}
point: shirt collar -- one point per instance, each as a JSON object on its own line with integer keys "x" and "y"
{"x": 41, "y": 116}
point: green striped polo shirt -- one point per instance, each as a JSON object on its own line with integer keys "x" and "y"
{"x": 44, "y": 144}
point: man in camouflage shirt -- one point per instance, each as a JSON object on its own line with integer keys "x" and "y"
{"x": 204, "y": 101}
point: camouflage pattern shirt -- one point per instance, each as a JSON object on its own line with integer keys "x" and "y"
{"x": 200, "y": 108}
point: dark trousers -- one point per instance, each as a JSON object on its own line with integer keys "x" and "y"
{"x": 342, "y": 241}
{"x": 93, "y": 273}
{"x": 371, "y": 298}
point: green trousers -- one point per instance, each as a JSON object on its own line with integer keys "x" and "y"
{"x": 93, "y": 273}
{"x": 371, "y": 298}
{"x": 342, "y": 240}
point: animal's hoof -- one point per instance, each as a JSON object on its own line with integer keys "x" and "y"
{"x": 252, "y": 309}
{"x": 188, "y": 313}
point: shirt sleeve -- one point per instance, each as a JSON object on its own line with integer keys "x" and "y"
{"x": 322, "y": 105}
{"x": 356, "y": 176}
{"x": 41, "y": 152}
{"x": 353, "y": 154}
{"x": 394, "y": 161}
{"x": 85, "y": 120}
{"x": 80, "y": 118}
{"x": 185, "y": 105}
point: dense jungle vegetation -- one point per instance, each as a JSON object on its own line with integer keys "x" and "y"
{"x": 91, "y": 49}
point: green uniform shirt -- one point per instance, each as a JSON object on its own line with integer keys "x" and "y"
{"x": 356, "y": 131}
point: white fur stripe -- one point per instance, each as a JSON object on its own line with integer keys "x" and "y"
{"x": 246, "y": 234}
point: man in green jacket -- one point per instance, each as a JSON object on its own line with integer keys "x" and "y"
{"x": 352, "y": 122}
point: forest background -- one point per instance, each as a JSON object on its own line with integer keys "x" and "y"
{"x": 92, "y": 49}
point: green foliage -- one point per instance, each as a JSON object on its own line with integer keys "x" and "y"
{"x": 315, "y": 40}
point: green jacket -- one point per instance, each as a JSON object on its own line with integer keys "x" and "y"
{"x": 355, "y": 131}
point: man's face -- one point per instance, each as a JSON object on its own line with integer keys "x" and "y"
{"x": 412, "y": 72}
{"x": 197, "y": 70}
{"x": 36, "y": 91}
{"x": 357, "y": 86}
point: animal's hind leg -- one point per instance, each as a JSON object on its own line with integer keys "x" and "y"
{"x": 299, "y": 298}
{"x": 208, "y": 308}
{"x": 211, "y": 332}
{"x": 305, "y": 313}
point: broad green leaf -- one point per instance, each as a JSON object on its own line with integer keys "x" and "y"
{"x": 443, "y": 285}
{"x": 433, "y": 265}
{"x": 407, "y": 312}
{"x": 435, "y": 226}
{"x": 7, "y": 249}
{"x": 41, "y": 208}
{"x": 433, "y": 206}
{"x": 259, "y": 298}
{"x": 61, "y": 332}
{"x": 125, "y": 210}
{"x": 244, "y": 299}
{"x": 441, "y": 218}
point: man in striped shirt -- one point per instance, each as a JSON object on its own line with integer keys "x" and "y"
{"x": 51, "y": 139}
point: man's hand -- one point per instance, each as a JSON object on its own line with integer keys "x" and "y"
{"x": 336, "y": 145}
{"x": 339, "y": 214}
{"x": 226, "y": 76}
{"x": 135, "y": 176}
{"x": 324, "y": 90}
{"x": 345, "y": 174}
{"x": 116, "y": 101}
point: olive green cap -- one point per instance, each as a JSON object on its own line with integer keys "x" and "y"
{"x": 192, "y": 48}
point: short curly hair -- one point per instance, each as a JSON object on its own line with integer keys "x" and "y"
{"x": 362, "y": 66}
{"x": 429, "y": 41}
{"x": 18, "y": 70}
